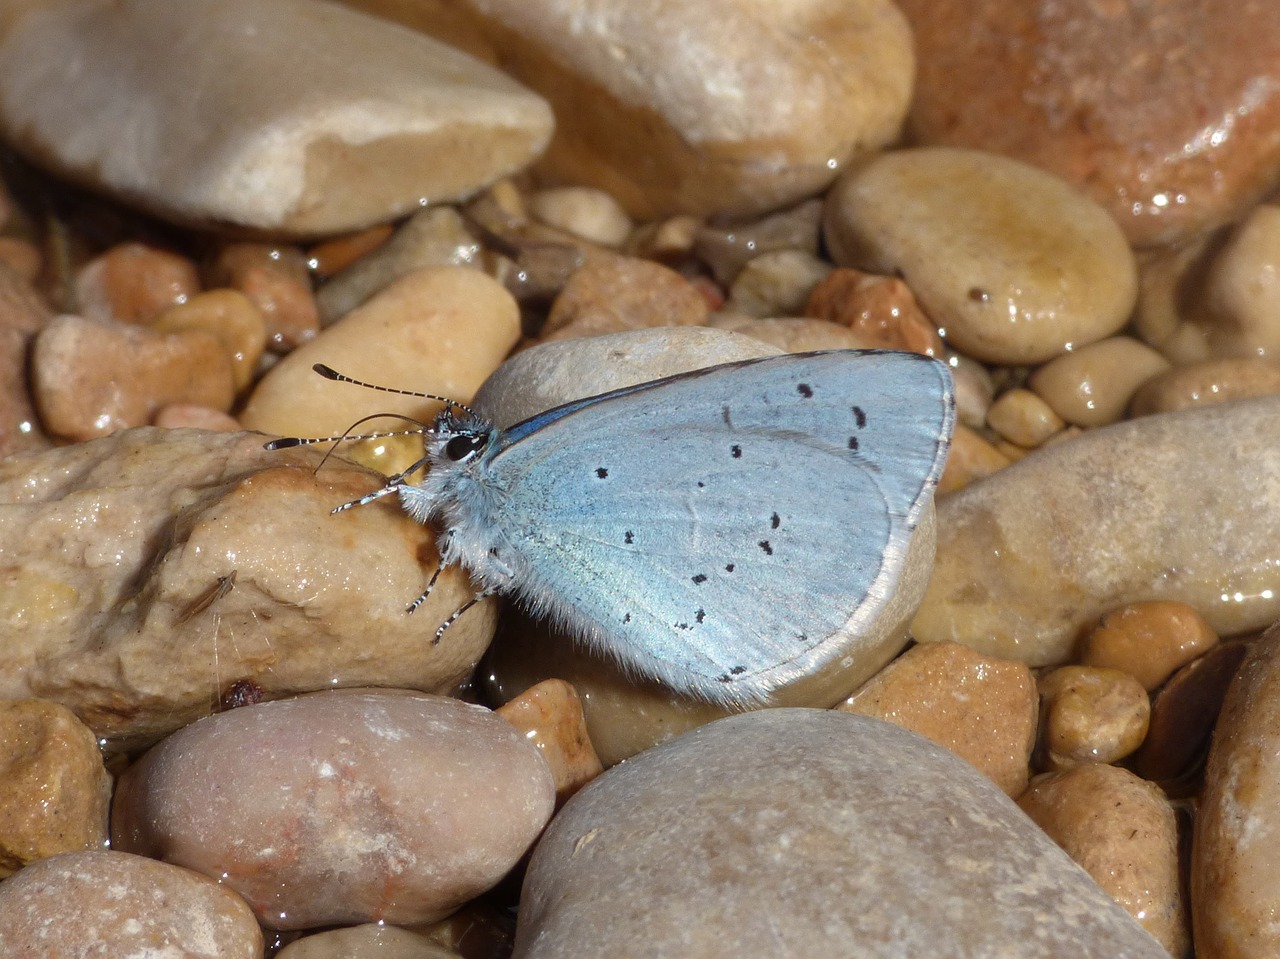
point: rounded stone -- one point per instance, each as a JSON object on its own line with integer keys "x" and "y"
{"x": 1015, "y": 265}
{"x": 1206, "y": 383}
{"x": 786, "y": 832}
{"x": 359, "y": 806}
{"x": 1092, "y": 386}
{"x": 1090, "y": 714}
{"x": 1022, "y": 417}
{"x": 1149, "y": 641}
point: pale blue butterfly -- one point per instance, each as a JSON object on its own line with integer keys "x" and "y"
{"x": 724, "y": 531}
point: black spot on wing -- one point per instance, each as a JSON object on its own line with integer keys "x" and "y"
{"x": 626, "y": 617}
{"x": 736, "y": 451}
{"x": 805, "y": 390}
{"x": 765, "y": 545}
{"x": 728, "y": 568}
{"x": 738, "y": 670}
{"x": 628, "y": 537}
{"x": 700, "y": 615}
{"x": 699, "y": 578}
{"x": 601, "y": 472}
{"x": 859, "y": 417}
{"x": 853, "y": 443}
{"x": 775, "y": 521}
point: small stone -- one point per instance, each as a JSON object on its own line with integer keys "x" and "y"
{"x": 777, "y": 284}
{"x": 1081, "y": 89}
{"x": 671, "y": 238}
{"x": 727, "y": 247}
{"x": 231, "y": 318}
{"x": 1089, "y": 714}
{"x": 975, "y": 390}
{"x": 1092, "y": 386}
{"x": 982, "y": 709}
{"x": 791, "y": 335}
{"x": 972, "y": 458}
{"x": 276, "y": 281}
{"x": 360, "y": 806}
{"x": 1012, "y": 262}
{"x": 550, "y": 716}
{"x": 134, "y": 283}
{"x": 655, "y": 104}
{"x": 331, "y": 257}
{"x": 1235, "y": 886}
{"x": 22, "y": 314}
{"x": 190, "y": 416}
{"x": 91, "y": 378}
{"x": 610, "y": 294}
{"x": 880, "y": 308}
{"x": 1022, "y": 417}
{"x": 1033, "y": 555}
{"x": 1124, "y": 832}
{"x": 54, "y": 791}
{"x": 369, "y": 941}
{"x": 1149, "y": 641}
{"x": 110, "y": 903}
{"x": 583, "y": 211}
{"x": 785, "y": 832}
{"x": 436, "y": 236}
{"x": 1206, "y": 383}
{"x": 357, "y": 131}
{"x": 22, "y": 256}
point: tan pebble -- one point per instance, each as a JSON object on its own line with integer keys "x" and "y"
{"x": 93, "y": 378}
{"x": 971, "y": 458}
{"x": 22, "y": 312}
{"x": 982, "y": 709}
{"x": 276, "y": 281}
{"x": 792, "y": 334}
{"x": 1205, "y": 383}
{"x": 439, "y": 330}
{"x": 611, "y": 293}
{"x": 974, "y": 388}
{"x": 1183, "y": 714}
{"x": 479, "y": 930}
{"x": 1170, "y": 307}
{"x": 332, "y": 256}
{"x": 1242, "y": 290}
{"x": 880, "y": 308}
{"x": 550, "y": 716}
{"x": 134, "y": 283}
{"x": 229, "y": 316}
{"x": 1012, "y": 263}
{"x": 1148, "y": 640}
{"x": 1092, "y": 386}
{"x": 583, "y": 211}
{"x": 365, "y": 941}
{"x": 727, "y": 248}
{"x": 1124, "y": 832}
{"x": 1090, "y": 715}
{"x": 54, "y": 791}
{"x": 188, "y": 415}
{"x": 1235, "y": 885}
{"x": 1011, "y": 451}
{"x": 777, "y": 284}
{"x": 671, "y": 238}
{"x": 23, "y": 256}
{"x": 1022, "y": 417}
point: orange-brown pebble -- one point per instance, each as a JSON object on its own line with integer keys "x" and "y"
{"x": 1023, "y": 418}
{"x": 1207, "y": 382}
{"x": 880, "y": 308}
{"x": 276, "y": 280}
{"x": 1148, "y": 640}
{"x": 971, "y": 458}
{"x": 332, "y": 256}
{"x": 982, "y": 709}
{"x": 1124, "y": 832}
{"x": 610, "y": 293}
{"x": 1090, "y": 715}
{"x": 550, "y": 716}
{"x": 134, "y": 283}
{"x": 54, "y": 790}
{"x": 230, "y": 317}
{"x": 189, "y": 415}
{"x": 23, "y": 256}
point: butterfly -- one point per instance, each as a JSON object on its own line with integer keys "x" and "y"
{"x": 723, "y": 531}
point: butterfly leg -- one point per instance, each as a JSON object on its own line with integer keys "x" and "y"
{"x": 453, "y": 617}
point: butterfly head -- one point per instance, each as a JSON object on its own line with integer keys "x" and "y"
{"x": 457, "y": 438}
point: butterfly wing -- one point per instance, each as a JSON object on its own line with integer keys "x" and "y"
{"x": 726, "y": 530}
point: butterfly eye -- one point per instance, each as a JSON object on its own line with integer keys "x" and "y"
{"x": 465, "y": 446}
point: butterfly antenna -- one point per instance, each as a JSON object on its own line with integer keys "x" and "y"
{"x": 289, "y": 442}
{"x": 329, "y": 373}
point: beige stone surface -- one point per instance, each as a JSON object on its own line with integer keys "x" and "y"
{"x": 1149, "y": 641}
{"x": 549, "y": 715}
{"x": 1090, "y": 714}
{"x": 1092, "y": 385}
{"x": 1205, "y": 383}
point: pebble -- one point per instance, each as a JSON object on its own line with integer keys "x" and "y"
{"x": 654, "y": 102}
{"x": 110, "y": 903}
{"x": 785, "y": 832}
{"x": 1182, "y": 506}
{"x": 1149, "y": 641}
{"x": 229, "y": 317}
{"x": 1022, "y": 417}
{"x": 975, "y": 390}
{"x": 1235, "y": 887}
{"x": 22, "y": 256}
{"x": 436, "y": 236}
{"x": 91, "y": 378}
{"x": 369, "y": 941}
{"x": 791, "y": 334}
{"x": 879, "y": 308}
{"x": 189, "y": 415}
{"x": 583, "y": 211}
{"x": 438, "y": 330}
{"x": 972, "y": 458}
{"x": 776, "y": 284}
{"x": 725, "y": 248}
{"x": 152, "y": 573}
{"x": 54, "y": 790}
{"x": 1090, "y": 714}
{"x": 22, "y": 314}
{"x": 549, "y": 715}
{"x": 1093, "y": 385}
{"x": 277, "y": 282}
{"x": 611, "y": 294}
{"x": 330, "y": 257}
{"x": 1124, "y": 832}
{"x": 359, "y": 806}
{"x": 1205, "y": 383}
{"x": 294, "y": 159}
{"x": 1082, "y": 90}
{"x": 982, "y": 709}
{"x": 1012, "y": 263}
{"x": 134, "y": 283}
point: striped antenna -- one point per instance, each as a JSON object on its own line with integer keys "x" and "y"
{"x": 329, "y": 373}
